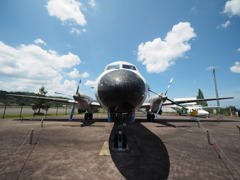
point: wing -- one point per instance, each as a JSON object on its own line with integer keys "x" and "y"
{"x": 153, "y": 102}
{"x": 196, "y": 100}
{"x": 84, "y": 102}
{"x": 46, "y": 98}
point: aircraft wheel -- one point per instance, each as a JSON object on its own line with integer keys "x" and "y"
{"x": 90, "y": 116}
{"x": 86, "y": 116}
{"x": 124, "y": 139}
{"x": 149, "y": 117}
{"x": 160, "y": 112}
{"x": 152, "y": 117}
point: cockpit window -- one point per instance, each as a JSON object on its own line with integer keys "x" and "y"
{"x": 113, "y": 67}
{"x": 129, "y": 67}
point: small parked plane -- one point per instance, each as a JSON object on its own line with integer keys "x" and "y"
{"x": 195, "y": 110}
{"x": 121, "y": 90}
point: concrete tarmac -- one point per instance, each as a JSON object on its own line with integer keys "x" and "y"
{"x": 170, "y": 148}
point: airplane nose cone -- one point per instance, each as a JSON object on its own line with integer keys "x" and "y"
{"x": 121, "y": 90}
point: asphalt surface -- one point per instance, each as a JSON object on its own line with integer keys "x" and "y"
{"x": 170, "y": 148}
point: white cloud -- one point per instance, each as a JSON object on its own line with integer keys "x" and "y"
{"x": 238, "y": 49}
{"x": 89, "y": 83}
{"x": 224, "y": 25}
{"x": 77, "y": 31}
{"x": 75, "y": 74}
{"x": 159, "y": 54}
{"x": 27, "y": 67}
{"x": 40, "y": 41}
{"x": 232, "y": 8}
{"x": 84, "y": 75}
{"x": 210, "y": 68}
{"x": 92, "y": 3}
{"x": 236, "y": 67}
{"x": 66, "y": 10}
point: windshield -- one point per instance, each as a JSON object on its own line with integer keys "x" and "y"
{"x": 129, "y": 67}
{"x": 113, "y": 67}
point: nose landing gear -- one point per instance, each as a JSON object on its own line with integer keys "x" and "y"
{"x": 120, "y": 140}
{"x": 120, "y": 136}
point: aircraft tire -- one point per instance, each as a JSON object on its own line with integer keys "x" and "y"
{"x": 152, "y": 117}
{"x": 149, "y": 117}
{"x": 90, "y": 116}
{"x": 86, "y": 116}
{"x": 160, "y": 112}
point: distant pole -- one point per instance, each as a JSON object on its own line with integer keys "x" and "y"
{"x": 66, "y": 110}
{"x": 5, "y": 107}
{"x": 215, "y": 83}
{"x": 57, "y": 111}
{"x": 20, "y": 115}
{"x": 46, "y": 114}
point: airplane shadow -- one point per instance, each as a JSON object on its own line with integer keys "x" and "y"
{"x": 147, "y": 157}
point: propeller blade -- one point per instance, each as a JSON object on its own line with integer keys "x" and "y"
{"x": 170, "y": 82}
{"x": 153, "y": 92}
{"x": 176, "y": 103}
{"x": 159, "y": 108}
{"x": 79, "y": 85}
{"x": 72, "y": 112}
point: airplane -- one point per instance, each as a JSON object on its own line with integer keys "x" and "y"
{"x": 195, "y": 110}
{"x": 121, "y": 90}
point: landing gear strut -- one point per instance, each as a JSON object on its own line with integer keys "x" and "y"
{"x": 120, "y": 136}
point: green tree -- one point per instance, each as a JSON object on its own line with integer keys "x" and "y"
{"x": 201, "y": 96}
{"x": 231, "y": 110}
{"x": 39, "y": 103}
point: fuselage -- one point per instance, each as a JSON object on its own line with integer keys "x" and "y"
{"x": 197, "y": 111}
{"x": 121, "y": 88}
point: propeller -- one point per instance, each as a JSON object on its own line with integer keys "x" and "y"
{"x": 163, "y": 98}
{"x": 74, "y": 97}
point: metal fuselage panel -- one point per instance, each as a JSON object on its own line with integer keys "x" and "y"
{"x": 121, "y": 90}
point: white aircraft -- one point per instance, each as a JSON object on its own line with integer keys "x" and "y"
{"x": 121, "y": 90}
{"x": 195, "y": 110}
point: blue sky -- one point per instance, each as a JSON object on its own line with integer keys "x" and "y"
{"x": 55, "y": 42}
